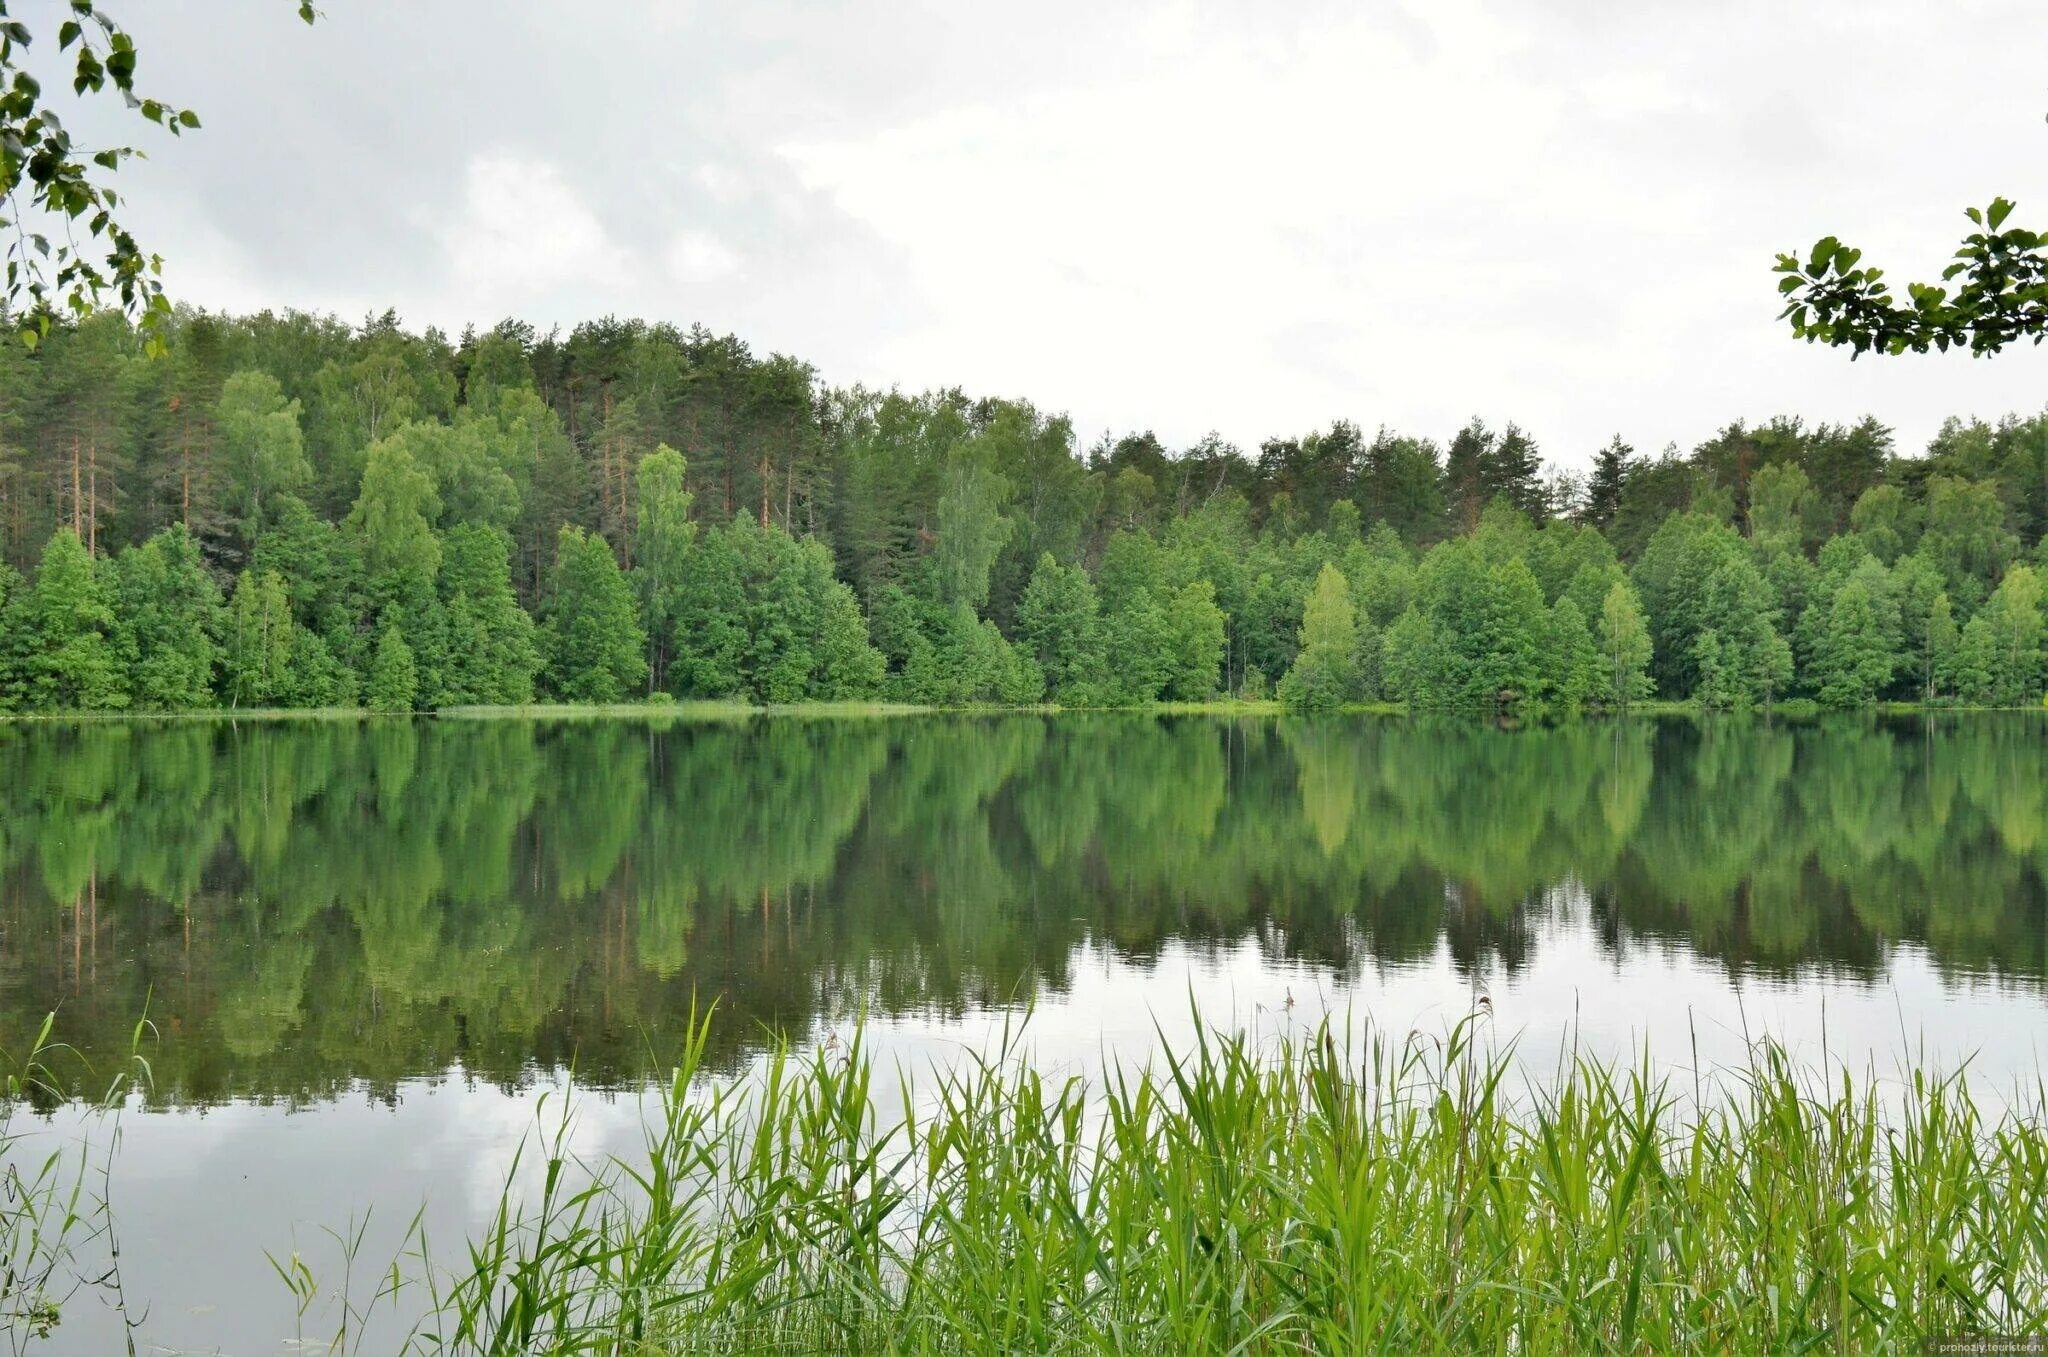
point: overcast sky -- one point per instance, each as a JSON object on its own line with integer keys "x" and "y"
{"x": 1249, "y": 218}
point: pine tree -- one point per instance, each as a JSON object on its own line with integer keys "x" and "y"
{"x": 1612, "y": 466}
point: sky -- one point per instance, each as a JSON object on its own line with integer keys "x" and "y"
{"x": 1246, "y": 218}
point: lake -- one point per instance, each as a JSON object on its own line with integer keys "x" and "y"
{"x": 368, "y": 949}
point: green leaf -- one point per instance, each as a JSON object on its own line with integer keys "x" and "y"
{"x": 188, "y": 118}
{"x": 1999, "y": 210}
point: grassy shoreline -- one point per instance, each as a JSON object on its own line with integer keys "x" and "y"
{"x": 1308, "y": 1194}
{"x": 716, "y": 710}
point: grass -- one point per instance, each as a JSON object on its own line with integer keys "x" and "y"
{"x": 1309, "y": 1195}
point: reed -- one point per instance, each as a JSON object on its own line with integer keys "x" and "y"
{"x": 57, "y": 1228}
{"x": 1311, "y": 1194}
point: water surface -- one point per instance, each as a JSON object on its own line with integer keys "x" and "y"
{"x": 367, "y": 948}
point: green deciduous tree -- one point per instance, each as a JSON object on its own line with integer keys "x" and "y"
{"x": 594, "y": 648}
{"x": 257, "y": 658}
{"x": 1059, "y": 622}
{"x": 1571, "y": 660}
{"x": 666, "y": 538}
{"x": 61, "y": 630}
{"x": 1858, "y": 648}
{"x": 2012, "y": 638}
{"x": 493, "y": 652}
{"x": 1324, "y": 671}
{"x": 168, "y": 611}
{"x": 1194, "y": 642}
{"x": 394, "y": 681}
{"x": 1624, "y": 647}
{"x": 263, "y": 454}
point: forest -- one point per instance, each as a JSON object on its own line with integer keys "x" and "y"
{"x": 285, "y": 511}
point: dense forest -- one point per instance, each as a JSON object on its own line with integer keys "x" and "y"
{"x": 286, "y": 511}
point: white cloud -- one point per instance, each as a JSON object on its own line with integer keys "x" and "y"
{"x": 1159, "y": 214}
{"x": 522, "y": 232}
{"x": 700, "y": 257}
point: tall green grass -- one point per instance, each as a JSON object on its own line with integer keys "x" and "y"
{"x": 1313, "y": 1194}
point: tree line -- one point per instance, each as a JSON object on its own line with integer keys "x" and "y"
{"x": 287, "y": 511}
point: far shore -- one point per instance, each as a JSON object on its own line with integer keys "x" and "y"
{"x": 709, "y": 711}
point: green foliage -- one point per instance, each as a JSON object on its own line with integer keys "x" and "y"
{"x": 1324, "y": 673}
{"x": 393, "y": 521}
{"x": 168, "y": 611}
{"x": 492, "y": 649}
{"x": 1176, "y": 573}
{"x": 394, "y": 680}
{"x": 1859, "y": 643}
{"x": 1696, "y": 576}
{"x": 1572, "y": 667}
{"x": 257, "y": 659}
{"x": 1782, "y": 505}
{"x": 62, "y": 651}
{"x": 2008, "y": 649}
{"x": 1194, "y": 642}
{"x": 1832, "y": 298}
{"x": 972, "y": 531}
{"x": 263, "y": 450}
{"x": 1966, "y": 536}
{"x": 594, "y": 648}
{"x": 664, "y": 537}
{"x": 946, "y": 657}
{"x": 1625, "y": 647}
{"x": 1409, "y": 659}
{"x": 1058, "y": 621}
{"x": 52, "y": 184}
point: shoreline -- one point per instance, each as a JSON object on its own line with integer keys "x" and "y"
{"x": 711, "y": 710}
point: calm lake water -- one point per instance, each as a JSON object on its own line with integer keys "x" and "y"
{"x": 368, "y": 949}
